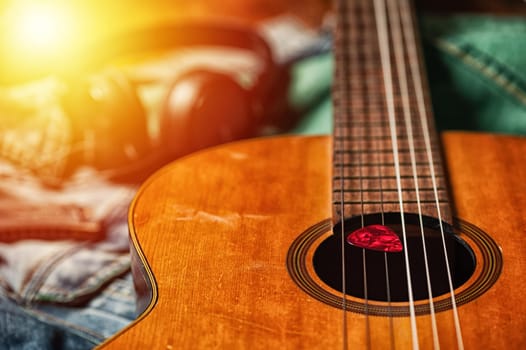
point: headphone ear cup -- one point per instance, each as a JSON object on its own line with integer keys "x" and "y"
{"x": 108, "y": 121}
{"x": 202, "y": 109}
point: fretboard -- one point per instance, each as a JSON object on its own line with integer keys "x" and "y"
{"x": 386, "y": 149}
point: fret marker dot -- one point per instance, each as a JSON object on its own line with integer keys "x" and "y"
{"x": 376, "y": 237}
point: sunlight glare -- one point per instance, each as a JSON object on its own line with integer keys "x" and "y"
{"x": 40, "y": 28}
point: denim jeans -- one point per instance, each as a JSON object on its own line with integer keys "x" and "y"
{"x": 66, "y": 293}
{"x": 49, "y": 326}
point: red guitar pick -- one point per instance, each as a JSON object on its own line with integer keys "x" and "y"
{"x": 376, "y": 237}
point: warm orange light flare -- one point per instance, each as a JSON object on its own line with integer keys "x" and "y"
{"x": 37, "y": 36}
{"x": 39, "y": 28}
{"x": 42, "y": 37}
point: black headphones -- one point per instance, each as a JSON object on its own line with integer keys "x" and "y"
{"x": 203, "y": 107}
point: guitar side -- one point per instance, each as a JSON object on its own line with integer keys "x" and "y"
{"x": 214, "y": 229}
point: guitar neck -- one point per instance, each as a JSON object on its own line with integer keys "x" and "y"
{"x": 386, "y": 152}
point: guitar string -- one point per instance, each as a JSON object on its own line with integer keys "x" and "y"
{"x": 383, "y": 40}
{"x": 389, "y": 310}
{"x": 399, "y": 52}
{"x": 362, "y": 221}
{"x": 412, "y": 52}
{"x": 386, "y": 265}
{"x": 364, "y": 264}
{"x": 343, "y": 77}
{"x": 378, "y": 145}
{"x": 368, "y": 52}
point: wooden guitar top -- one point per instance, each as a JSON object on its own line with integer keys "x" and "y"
{"x": 214, "y": 230}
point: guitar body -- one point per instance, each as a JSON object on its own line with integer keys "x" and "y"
{"x": 211, "y": 234}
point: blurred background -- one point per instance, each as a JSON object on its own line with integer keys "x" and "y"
{"x": 43, "y": 36}
{"x": 74, "y": 71}
{"x": 39, "y": 37}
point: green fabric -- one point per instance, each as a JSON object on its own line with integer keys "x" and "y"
{"x": 477, "y": 73}
{"x": 312, "y": 80}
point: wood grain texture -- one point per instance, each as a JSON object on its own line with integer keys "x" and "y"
{"x": 215, "y": 228}
{"x": 487, "y": 174}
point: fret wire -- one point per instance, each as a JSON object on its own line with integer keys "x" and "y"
{"x": 360, "y": 138}
{"x": 431, "y": 201}
{"x": 367, "y": 165}
{"x": 361, "y": 120}
{"x": 366, "y": 104}
{"x": 368, "y": 138}
{"x": 375, "y": 151}
{"x": 351, "y": 190}
{"x": 386, "y": 177}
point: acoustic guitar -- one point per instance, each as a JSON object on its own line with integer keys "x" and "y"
{"x": 381, "y": 236}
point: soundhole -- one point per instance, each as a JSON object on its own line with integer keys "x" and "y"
{"x": 386, "y": 273}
